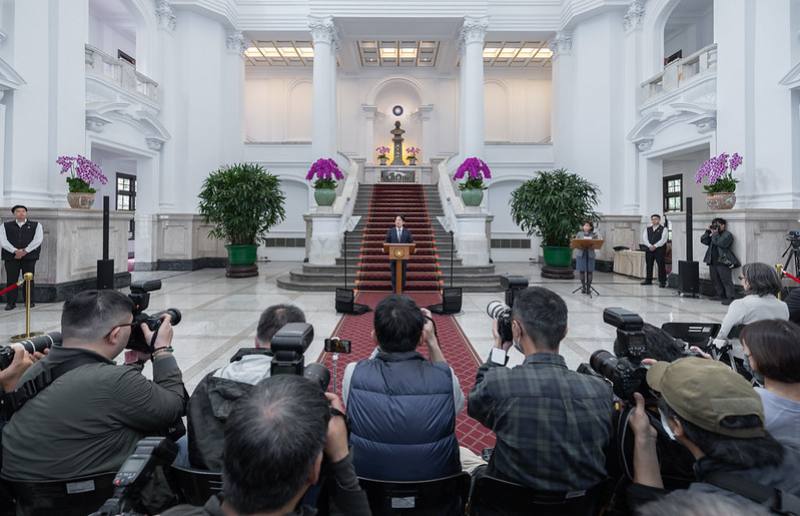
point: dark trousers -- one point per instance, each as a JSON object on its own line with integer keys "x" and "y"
{"x": 658, "y": 257}
{"x": 721, "y": 279}
{"x": 13, "y": 268}
{"x": 394, "y": 274}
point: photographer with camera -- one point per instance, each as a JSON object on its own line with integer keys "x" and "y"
{"x": 81, "y": 414}
{"x": 402, "y": 407}
{"x": 213, "y": 398}
{"x": 553, "y": 425}
{"x": 275, "y": 441}
{"x": 761, "y": 287}
{"x": 715, "y": 414}
{"x": 720, "y": 259}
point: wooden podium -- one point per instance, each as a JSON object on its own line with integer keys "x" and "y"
{"x": 586, "y": 244}
{"x": 400, "y": 253}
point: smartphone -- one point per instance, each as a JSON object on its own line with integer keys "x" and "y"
{"x": 337, "y": 345}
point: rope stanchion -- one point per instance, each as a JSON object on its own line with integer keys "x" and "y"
{"x": 27, "y": 278}
{"x": 12, "y": 287}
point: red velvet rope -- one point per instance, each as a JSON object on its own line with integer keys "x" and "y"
{"x": 10, "y": 288}
{"x": 793, "y": 278}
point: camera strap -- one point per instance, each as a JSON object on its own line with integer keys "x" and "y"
{"x": 13, "y": 401}
{"x": 775, "y": 499}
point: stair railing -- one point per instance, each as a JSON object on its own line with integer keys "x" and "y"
{"x": 451, "y": 201}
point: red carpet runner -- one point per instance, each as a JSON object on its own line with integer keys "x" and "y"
{"x": 387, "y": 202}
{"x": 455, "y": 347}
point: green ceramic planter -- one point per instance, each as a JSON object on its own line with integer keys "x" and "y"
{"x": 239, "y": 255}
{"x": 472, "y": 196}
{"x": 556, "y": 256}
{"x": 324, "y": 196}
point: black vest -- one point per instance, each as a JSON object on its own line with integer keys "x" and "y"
{"x": 20, "y": 237}
{"x": 654, "y": 236}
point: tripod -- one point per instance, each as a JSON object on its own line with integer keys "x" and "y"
{"x": 589, "y": 287}
{"x": 793, "y": 252}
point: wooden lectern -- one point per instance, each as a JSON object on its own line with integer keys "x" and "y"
{"x": 585, "y": 244}
{"x": 399, "y": 253}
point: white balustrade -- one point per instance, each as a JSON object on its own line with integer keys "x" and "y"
{"x": 119, "y": 72}
{"x": 680, "y": 72}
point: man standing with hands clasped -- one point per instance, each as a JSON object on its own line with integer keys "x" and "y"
{"x": 654, "y": 240}
{"x": 21, "y": 240}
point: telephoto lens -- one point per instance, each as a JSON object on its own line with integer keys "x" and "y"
{"x": 318, "y": 374}
{"x": 32, "y": 345}
{"x": 502, "y": 313}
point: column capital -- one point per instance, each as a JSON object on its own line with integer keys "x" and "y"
{"x": 323, "y": 29}
{"x": 633, "y": 19}
{"x": 473, "y": 30}
{"x": 165, "y": 15}
{"x": 561, "y": 44}
{"x": 235, "y": 42}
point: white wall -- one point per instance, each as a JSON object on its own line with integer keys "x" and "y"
{"x": 517, "y": 105}
{"x": 690, "y": 37}
{"x": 105, "y": 37}
{"x": 278, "y": 106}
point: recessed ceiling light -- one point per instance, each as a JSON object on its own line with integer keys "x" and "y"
{"x": 490, "y": 52}
{"x": 252, "y": 52}
{"x": 545, "y": 53}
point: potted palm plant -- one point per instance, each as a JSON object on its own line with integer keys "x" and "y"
{"x": 720, "y": 184}
{"x": 83, "y": 173}
{"x": 242, "y": 202}
{"x": 327, "y": 172}
{"x": 472, "y": 189}
{"x": 553, "y": 205}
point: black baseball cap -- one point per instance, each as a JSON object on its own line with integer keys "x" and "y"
{"x": 14, "y": 208}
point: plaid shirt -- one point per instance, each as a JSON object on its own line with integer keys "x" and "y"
{"x": 553, "y": 425}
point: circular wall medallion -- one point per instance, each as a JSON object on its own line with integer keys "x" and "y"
{"x": 397, "y": 110}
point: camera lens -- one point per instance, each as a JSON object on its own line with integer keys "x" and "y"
{"x": 495, "y": 309}
{"x": 318, "y": 374}
{"x": 604, "y": 363}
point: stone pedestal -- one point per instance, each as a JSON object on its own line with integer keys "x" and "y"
{"x": 73, "y": 242}
{"x": 325, "y": 242}
{"x": 473, "y": 237}
{"x": 179, "y": 242}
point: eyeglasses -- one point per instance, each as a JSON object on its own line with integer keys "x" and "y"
{"x": 132, "y": 324}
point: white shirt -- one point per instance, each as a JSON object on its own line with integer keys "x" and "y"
{"x": 752, "y": 308}
{"x": 38, "y": 237}
{"x": 646, "y": 241}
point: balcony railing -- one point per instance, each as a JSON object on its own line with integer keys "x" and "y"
{"x": 120, "y": 72}
{"x": 680, "y": 72}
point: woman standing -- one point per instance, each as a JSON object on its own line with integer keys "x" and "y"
{"x": 584, "y": 265}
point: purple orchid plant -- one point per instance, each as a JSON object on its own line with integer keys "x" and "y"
{"x": 382, "y": 151}
{"x": 718, "y": 173}
{"x": 83, "y": 173}
{"x": 326, "y": 171}
{"x": 476, "y": 170}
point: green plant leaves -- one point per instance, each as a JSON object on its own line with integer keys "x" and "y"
{"x": 243, "y": 202}
{"x": 554, "y": 205}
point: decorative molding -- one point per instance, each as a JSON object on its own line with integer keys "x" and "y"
{"x": 165, "y": 15}
{"x": 3, "y": 37}
{"x": 96, "y": 123}
{"x": 644, "y": 144}
{"x": 792, "y": 78}
{"x": 561, "y": 44}
{"x": 101, "y": 113}
{"x": 154, "y": 142}
{"x": 370, "y": 111}
{"x": 705, "y": 122}
{"x": 235, "y": 42}
{"x": 473, "y": 30}
{"x": 635, "y": 16}
{"x": 323, "y": 30}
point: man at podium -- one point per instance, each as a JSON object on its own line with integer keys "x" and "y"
{"x": 398, "y": 235}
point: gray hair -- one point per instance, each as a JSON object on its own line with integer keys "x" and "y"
{"x": 762, "y": 279}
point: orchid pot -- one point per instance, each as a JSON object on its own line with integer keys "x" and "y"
{"x": 475, "y": 170}
{"x": 327, "y": 172}
{"x": 83, "y": 173}
{"x": 720, "y": 185}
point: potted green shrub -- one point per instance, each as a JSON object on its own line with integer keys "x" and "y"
{"x": 327, "y": 172}
{"x": 472, "y": 189}
{"x": 553, "y": 205}
{"x": 242, "y": 202}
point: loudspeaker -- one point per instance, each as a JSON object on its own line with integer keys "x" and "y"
{"x": 451, "y": 300}
{"x": 344, "y": 300}
{"x": 688, "y": 277}
{"x": 105, "y": 274}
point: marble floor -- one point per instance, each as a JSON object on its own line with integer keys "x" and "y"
{"x": 220, "y": 314}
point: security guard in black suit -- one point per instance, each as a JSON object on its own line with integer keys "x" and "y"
{"x": 21, "y": 240}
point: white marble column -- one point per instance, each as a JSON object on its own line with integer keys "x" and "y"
{"x": 563, "y": 98}
{"x": 428, "y": 134}
{"x": 170, "y": 93}
{"x": 632, "y": 54}
{"x": 323, "y": 135}
{"x": 233, "y": 67}
{"x": 370, "y": 112}
{"x": 473, "y": 33}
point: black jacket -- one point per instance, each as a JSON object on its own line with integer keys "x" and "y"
{"x": 405, "y": 237}
{"x": 723, "y": 242}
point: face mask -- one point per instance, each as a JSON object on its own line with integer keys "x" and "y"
{"x": 517, "y": 345}
{"x": 755, "y": 374}
{"x": 665, "y": 424}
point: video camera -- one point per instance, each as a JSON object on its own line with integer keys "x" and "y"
{"x": 135, "y": 473}
{"x": 32, "y": 345}
{"x": 140, "y": 296}
{"x": 793, "y": 237}
{"x": 288, "y": 346}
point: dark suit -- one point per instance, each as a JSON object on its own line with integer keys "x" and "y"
{"x": 405, "y": 238}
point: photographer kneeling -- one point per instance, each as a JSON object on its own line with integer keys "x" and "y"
{"x": 90, "y": 417}
{"x": 719, "y": 418}
{"x": 275, "y": 440}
